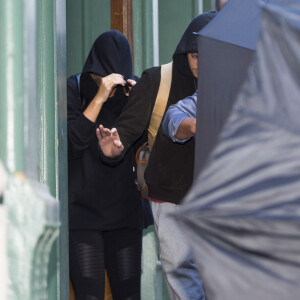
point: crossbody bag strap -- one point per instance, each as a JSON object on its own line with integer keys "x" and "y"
{"x": 160, "y": 102}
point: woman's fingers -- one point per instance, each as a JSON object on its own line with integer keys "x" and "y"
{"x": 109, "y": 82}
{"x": 113, "y": 80}
{"x": 131, "y": 82}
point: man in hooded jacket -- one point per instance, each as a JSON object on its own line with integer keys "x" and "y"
{"x": 169, "y": 173}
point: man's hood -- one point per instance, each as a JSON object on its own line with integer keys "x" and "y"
{"x": 188, "y": 42}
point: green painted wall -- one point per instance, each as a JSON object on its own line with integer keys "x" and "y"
{"x": 46, "y": 91}
{"x": 30, "y": 129}
{"x": 52, "y": 115}
{"x": 12, "y": 85}
{"x": 207, "y": 5}
{"x": 142, "y": 35}
{"x": 174, "y": 17}
{"x": 86, "y": 20}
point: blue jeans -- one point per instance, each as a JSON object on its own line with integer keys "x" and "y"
{"x": 182, "y": 277}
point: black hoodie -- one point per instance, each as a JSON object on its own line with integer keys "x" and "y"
{"x": 101, "y": 197}
{"x": 169, "y": 174}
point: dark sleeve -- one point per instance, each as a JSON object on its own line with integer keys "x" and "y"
{"x": 80, "y": 129}
{"x": 133, "y": 122}
{"x": 135, "y": 117}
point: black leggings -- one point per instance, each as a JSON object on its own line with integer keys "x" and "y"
{"x": 118, "y": 251}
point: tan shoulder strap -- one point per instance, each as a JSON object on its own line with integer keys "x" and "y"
{"x": 160, "y": 102}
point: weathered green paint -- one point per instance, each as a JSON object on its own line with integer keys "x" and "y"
{"x": 86, "y": 20}
{"x": 46, "y": 91}
{"x": 207, "y": 5}
{"x": 142, "y": 35}
{"x": 30, "y": 208}
{"x": 11, "y": 85}
{"x": 53, "y": 266}
{"x": 32, "y": 226}
{"x": 31, "y": 138}
{"x": 173, "y": 20}
{"x": 61, "y": 154}
{"x": 153, "y": 281}
{"x": 149, "y": 265}
{"x": 53, "y": 133}
{"x": 96, "y": 19}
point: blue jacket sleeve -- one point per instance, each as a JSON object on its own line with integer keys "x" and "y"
{"x": 176, "y": 113}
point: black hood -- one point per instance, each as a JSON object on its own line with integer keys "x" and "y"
{"x": 110, "y": 53}
{"x": 188, "y": 42}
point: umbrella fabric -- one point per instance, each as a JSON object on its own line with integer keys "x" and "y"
{"x": 226, "y": 46}
{"x": 242, "y": 215}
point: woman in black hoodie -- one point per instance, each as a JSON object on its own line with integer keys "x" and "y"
{"x": 105, "y": 208}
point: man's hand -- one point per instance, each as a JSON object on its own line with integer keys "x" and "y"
{"x": 109, "y": 141}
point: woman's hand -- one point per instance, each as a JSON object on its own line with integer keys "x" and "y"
{"x": 105, "y": 90}
{"x": 131, "y": 84}
{"x": 108, "y": 83}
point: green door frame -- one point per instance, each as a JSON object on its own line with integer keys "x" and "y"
{"x": 62, "y": 146}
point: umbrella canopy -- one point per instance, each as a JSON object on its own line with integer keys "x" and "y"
{"x": 242, "y": 215}
{"x": 227, "y": 45}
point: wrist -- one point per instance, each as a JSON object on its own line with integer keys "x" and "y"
{"x": 99, "y": 99}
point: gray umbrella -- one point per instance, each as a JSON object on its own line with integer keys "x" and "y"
{"x": 242, "y": 215}
{"x": 227, "y": 45}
